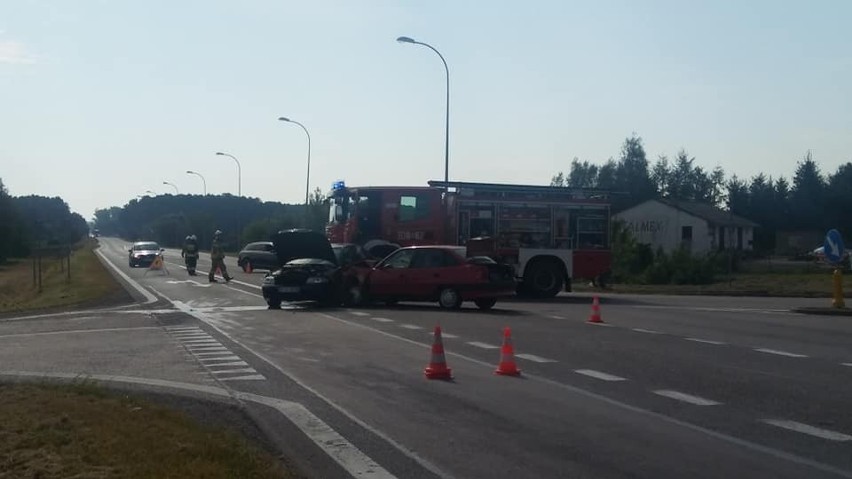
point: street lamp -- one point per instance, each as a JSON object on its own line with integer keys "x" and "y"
{"x": 151, "y": 192}
{"x": 190, "y": 172}
{"x": 239, "y": 172}
{"x": 447, "y": 133}
{"x": 308, "y": 181}
{"x": 173, "y": 186}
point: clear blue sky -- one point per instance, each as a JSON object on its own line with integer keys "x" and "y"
{"x": 103, "y": 100}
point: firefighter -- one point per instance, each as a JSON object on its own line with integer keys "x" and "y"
{"x": 189, "y": 253}
{"x": 217, "y": 256}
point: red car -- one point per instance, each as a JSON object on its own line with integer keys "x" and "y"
{"x": 438, "y": 273}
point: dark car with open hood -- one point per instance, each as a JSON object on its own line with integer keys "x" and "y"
{"x": 310, "y": 269}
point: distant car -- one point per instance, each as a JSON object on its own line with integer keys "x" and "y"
{"x": 438, "y": 273}
{"x": 142, "y": 253}
{"x": 818, "y": 254}
{"x": 310, "y": 269}
{"x": 258, "y": 255}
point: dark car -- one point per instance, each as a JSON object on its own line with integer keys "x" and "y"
{"x": 439, "y": 273}
{"x": 258, "y": 255}
{"x": 310, "y": 269}
{"x": 143, "y": 253}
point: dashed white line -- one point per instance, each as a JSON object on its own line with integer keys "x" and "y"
{"x": 606, "y": 325}
{"x": 410, "y": 326}
{"x": 705, "y": 341}
{"x": 846, "y": 364}
{"x": 647, "y": 331}
{"x": 200, "y": 341}
{"x": 445, "y": 335}
{"x": 483, "y": 345}
{"x": 810, "y": 430}
{"x": 698, "y": 401}
{"x": 252, "y": 377}
{"x": 533, "y": 357}
{"x": 192, "y": 336}
{"x": 358, "y": 313}
{"x": 554, "y": 316}
{"x": 780, "y": 353}
{"x": 599, "y": 375}
{"x": 382, "y": 320}
{"x": 232, "y": 363}
{"x": 223, "y": 352}
{"x": 234, "y": 371}
{"x": 230, "y": 357}
{"x": 194, "y": 349}
{"x": 184, "y": 328}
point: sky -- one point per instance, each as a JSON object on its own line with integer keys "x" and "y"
{"x": 103, "y": 101}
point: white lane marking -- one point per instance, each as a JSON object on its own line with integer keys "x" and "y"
{"x": 752, "y": 446}
{"x": 553, "y": 316}
{"x": 189, "y": 334}
{"x": 194, "y": 329}
{"x": 355, "y": 462}
{"x": 410, "y": 326}
{"x": 846, "y": 364}
{"x": 698, "y": 401}
{"x": 235, "y": 371}
{"x": 705, "y": 341}
{"x": 150, "y": 298}
{"x": 445, "y": 335}
{"x": 483, "y": 345}
{"x": 810, "y": 430}
{"x": 606, "y": 325}
{"x": 382, "y": 320}
{"x": 720, "y": 310}
{"x": 225, "y": 352}
{"x": 599, "y": 375}
{"x": 647, "y": 331}
{"x": 358, "y": 313}
{"x": 252, "y": 377}
{"x": 232, "y": 363}
{"x": 77, "y": 331}
{"x": 533, "y": 357}
{"x": 194, "y": 349}
{"x": 200, "y": 341}
{"x": 229, "y": 357}
{"x": 780, "y": 353}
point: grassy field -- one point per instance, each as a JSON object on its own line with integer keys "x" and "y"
{"x": 89, "y": 282}
{"x": 51, "y": 431}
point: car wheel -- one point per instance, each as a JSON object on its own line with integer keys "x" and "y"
{"x": 485, "y": 303}
{"x": 544, "y": 281}
{"x": 131, "y": 264}
{"x": 274, "y": 302}
{"x": 449, "y": 298}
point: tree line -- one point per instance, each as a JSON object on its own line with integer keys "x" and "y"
{"x": 811, "y": 201}
{"x": 168, "y": 219}
{"x": 30, "y": 222}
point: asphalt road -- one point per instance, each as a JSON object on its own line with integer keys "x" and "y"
{"x": 667, "y": 387}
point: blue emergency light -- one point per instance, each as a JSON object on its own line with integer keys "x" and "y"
{"x": 338, "y": 185}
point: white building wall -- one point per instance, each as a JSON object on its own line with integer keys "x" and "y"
{"x": 660, "y": 225}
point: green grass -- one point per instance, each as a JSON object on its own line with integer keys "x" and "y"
{"x": 51, "y": 431}
{"x": 90, "y": 281}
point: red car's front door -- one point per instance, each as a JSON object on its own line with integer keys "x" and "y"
{"x": 391, "y": 277}
{"x": 436, "y": 268}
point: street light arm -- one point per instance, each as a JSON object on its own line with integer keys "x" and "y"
{"x": 239, "y": 172}
{"x": 173, "y": 186}
{"x": 308, "y": 181}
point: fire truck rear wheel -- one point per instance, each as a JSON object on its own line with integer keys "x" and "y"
{"x": 545, "y": 280}
{"x": 449, "y": 298}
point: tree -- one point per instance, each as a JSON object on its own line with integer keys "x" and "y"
{"x": 808, "y": 195}
{"x": 11, "y": 241}
{"x": 632, "y": 178}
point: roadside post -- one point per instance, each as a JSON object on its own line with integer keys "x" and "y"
{"x": 834, "y": 253}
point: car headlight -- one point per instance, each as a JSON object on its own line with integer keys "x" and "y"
{"x": 317, "y": 280}
{"x": 269, "y": 280}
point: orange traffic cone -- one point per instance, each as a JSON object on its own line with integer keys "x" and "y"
{"x": 595, "y": 317}
{"x": 507, "y": 366}
{"x": 249, "y": 268}
{"x": 437, "y": 368}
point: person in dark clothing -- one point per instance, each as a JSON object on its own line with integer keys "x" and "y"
{"x": 189, "y": 253}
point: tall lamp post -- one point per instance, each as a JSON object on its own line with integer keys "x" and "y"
{"x": 308, "y": 180}
{"x": 190, "y": 172}
{"x": 173, "y": 186}
{"x": 239, "y": 172}
{"x": 447, "y": 132}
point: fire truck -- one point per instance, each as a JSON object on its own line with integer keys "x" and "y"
{"x": 550, "y": 235}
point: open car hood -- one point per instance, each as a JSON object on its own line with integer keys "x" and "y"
{"x": 298, "y": 244}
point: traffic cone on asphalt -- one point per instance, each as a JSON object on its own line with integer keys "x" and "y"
{"x": 507, "y": 366}
{"x": 437, "y": 368}
{"x": 595, "y": 317}
{"x": 249, "y": 268}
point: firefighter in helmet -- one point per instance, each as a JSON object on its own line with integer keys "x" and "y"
{"x": 189, "y": 253}
{"x": 217, "y": 256}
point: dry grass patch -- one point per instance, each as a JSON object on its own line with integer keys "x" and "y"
{"x": 50, "y": 431}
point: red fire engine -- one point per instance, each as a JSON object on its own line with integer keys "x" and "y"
{"x": 550, "y": 235}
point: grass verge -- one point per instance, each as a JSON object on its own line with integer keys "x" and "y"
{"x": 82, "y": 430}
{"x": 89, "y": 282}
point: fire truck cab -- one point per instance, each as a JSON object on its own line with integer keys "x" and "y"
{"x": 550, "y": 235}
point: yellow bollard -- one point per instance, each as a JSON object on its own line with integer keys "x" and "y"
{"x": 838, "y": 290}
